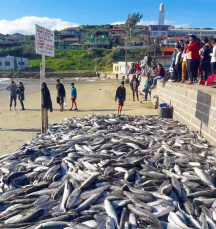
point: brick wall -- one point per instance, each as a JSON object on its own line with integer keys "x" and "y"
{"x": 193, "y": 105}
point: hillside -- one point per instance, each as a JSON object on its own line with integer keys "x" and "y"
{"x": 76, "y": 60}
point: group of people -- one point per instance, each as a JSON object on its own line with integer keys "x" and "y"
{"x": 16, "y": 91}
{"x": 61, "y": 96}
{"x": 150, "y": 83}
{"x": 46, "y": 100}
{"x": 195, "y": 59}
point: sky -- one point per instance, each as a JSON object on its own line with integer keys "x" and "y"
{"x": 22, "y": 15}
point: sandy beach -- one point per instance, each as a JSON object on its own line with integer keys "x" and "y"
{"x": 97, "y": 97}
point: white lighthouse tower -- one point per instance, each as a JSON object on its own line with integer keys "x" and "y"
{"x": 161, "y": 14}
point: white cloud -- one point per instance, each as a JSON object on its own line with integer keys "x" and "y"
{"x": 152, "y": 22}
{"x": 118, "y": 23}
{"x": 26, "y": 25}
{"x": 147, "y": 22}
{"x": 184, "y": 25}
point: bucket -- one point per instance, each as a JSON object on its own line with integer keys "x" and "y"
{"x": 166, "y": 112}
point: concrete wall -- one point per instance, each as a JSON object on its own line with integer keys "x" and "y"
{"x": 194, "y": 105}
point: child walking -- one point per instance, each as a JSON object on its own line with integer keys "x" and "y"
{"x": 73, "y": 97}
{"x": 120, "y": 96}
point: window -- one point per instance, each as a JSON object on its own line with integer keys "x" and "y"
{"x": 163, "y": 33}
{"x": 202, "y": 32}
{"x": 21, "y": 63}
{"x": 155, "y": 28}
{"x": 0, "y": 63}
{"x": 164, "y": 28}
{"x": 7, "y": 63}
{"x": 155, "y": 33}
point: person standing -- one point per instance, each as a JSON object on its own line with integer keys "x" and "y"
{"x": 177, "y": 65}
{"x": 205, "y": 60}
{"x": 147, "y": 87}
{"x": 161, "y": 74}
{"x": 210, "y": 51}
{"x": 134, "y": 84}
{"x": 148, "y": 65}
{"x": 21, "y": 94}
{"x": 116, "y": 76}
{"x": 213, "y": 57}
{"x": 184, "y": 62}
{"x": 61, "y": 94}
{"x": 181, "y": 43}
{"x": 193, "y": 62}
{"x": 46, "y": 98}
{"x": 143, "y": 64}
{"x": 13, "y": 94}
{"x": 73, "y": 97}
{"x": 173, "y": 62}
{"x": 120, "y": 97}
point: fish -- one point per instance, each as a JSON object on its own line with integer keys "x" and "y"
{"x": 108, "y": 171}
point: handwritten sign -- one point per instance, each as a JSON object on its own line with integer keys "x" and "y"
{"x": 44, "y": 41}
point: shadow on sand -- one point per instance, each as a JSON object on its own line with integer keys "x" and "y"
{"x": 100, "y": 110}
{"x": 22, "y": 130}
{"x": 96, "y": 110}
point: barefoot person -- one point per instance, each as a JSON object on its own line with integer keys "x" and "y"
{"x": 73, "y": 97}
{"x": 120, "y": 96}
{"x": 21, "y": 94}
{"x": 60, "y": 94}
{"x": 13, "y": 94}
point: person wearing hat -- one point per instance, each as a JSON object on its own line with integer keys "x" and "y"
{"x": 120, "y": 96}
{"x": 61, "y": 94}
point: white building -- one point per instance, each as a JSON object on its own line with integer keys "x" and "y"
{"x": 187, "y": 32}
{"x": 11, "y": 63}
{"x": 119, "y": 67}
{"x": 161, "y": 14}
{"x": 158, "y": 30}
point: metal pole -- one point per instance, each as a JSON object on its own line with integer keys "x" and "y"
{"x": 125, "y": 57}
{"x": 59, "y": 41}
{"x": 44, "y": 116}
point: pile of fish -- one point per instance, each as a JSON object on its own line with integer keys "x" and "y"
{"x": 110, "y": 172}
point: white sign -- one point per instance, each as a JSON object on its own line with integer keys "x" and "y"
{"x": 44, "y": 41}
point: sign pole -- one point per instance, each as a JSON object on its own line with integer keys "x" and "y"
{"x": 44, "y": 114}
{"x": 44, "y": 45}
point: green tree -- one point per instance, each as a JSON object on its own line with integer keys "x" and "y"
{"x": 131, "y": 21}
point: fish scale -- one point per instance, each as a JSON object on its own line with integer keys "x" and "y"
{"x": 108, "y": 172}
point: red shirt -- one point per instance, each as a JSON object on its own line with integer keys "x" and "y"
{"x": 161, "y": 72}
{"x": 194, "y": 48}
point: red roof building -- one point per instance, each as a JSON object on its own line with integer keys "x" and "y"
{"x": 167, "y": 51}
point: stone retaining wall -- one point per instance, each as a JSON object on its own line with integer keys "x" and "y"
{"x": 193, "y": 105}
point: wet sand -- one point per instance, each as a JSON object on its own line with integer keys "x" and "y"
{"x": 97, "y": 97}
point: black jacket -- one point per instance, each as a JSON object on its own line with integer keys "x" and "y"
{"x": 206, "y": 57}
{"x": 179, "y": 59}
{"x": 45, "y": 97}
{"x": 120, "y": 93}
{"x": 134, "y": 87}
{"x": 60, "y": 90}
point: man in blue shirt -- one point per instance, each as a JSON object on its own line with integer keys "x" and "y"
{"x": 73, "y": 97}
